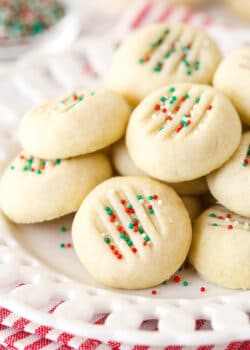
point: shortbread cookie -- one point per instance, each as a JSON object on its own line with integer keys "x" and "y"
{"x": 140, "y": 229}
{"x": 183, "y": 132}
{"x": 124, "y": 165}
{"x": 233, "y": 79}
{"x": 81, "y": 123}
{"x": 162, "y": 54}
{"x": 36, "y": 190}
{"x": 193, "y": 205}
{"x": 230, "y": 184}
{"x": 240, "y": 8}
{"x": 220, "y": 249}
{"x": 122, "y": 161}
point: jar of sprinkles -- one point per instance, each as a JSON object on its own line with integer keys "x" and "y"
{"x": 24, "y": 23}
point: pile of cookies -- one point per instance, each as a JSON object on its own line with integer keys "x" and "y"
{"x": 169, "y": 122}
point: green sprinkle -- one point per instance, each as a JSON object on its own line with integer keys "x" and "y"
{"x": 12, "y": 167}
{"x": 185, "y": 283}
{"x": 161, "y": 128}
{"x": 30, "y": 160}
{"x": 139, "y": 197}
{"x": 58, "y": 161}
{"x": 146, "y": 239}
{"x": 63, "y": 229}
{"x": 130, "y": 225}
{"x": 107, "y": 209}
{"x": 135, "y": 220}
{"x": 172, "y": 89}
{"x": 107, "y": 240}
{"x": 43, "y": 162}
{"x": 168, "y": 54}
{"x": 214, "y": 225}
{"x": 92, "y": 93}
{"x": 186, "y": 95}
{"x": 151, "y": 211}
{"x": 189, "y": 72}
{"x": 212, "y": 215}
{"x": 130, "y": 206}
{"x": 180, "y": 269}
{"x": 150, "y": 197}
{"x": 130, "y": 243}
{"x": 39, "y": 172}
{"x": 141, "y": 230}
{"x": 164, "y": 283}
{"x": 62, "y": 245}
{"x": 167, "y": 31}
{"x": 127, "y": 239}
{"x": 141, "y": 60}
{"x": 163, "y": 99}
{"x": 26, "y": 168}
{"x": 197, "y": 100}
{"x": 186, "y": 63}
{"x": 157, "y": 69}
{"x": 244, "y": 164}
{"x": 122, "y": 235}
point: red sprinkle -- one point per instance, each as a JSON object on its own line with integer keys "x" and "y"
{"x": 123, "y": 201}
{"x": 177, "y": 108}
{"x": 132, "y": 211}
{"x": 69, "y": 245}
{"x": 202, "y": 289}
{"x": 168, "y": 117}
{"x": 176, "y": 279}
{"x": 119, "y": 228}
{"x": 119, "y": 256}
{"x": 135, "y": 229}
{"x": 186, "y": 265}
{"x": 230, "y": 227}
{"x": 209, "y": 108}
{"x": 164, "y": 110}
{"x": 112, "y": 218}
{"x": 33, "y": 170}
{"x": 157, "y": 107}
{"x": 145, "y": 243}
{"x": 22, "y": 157}
{"x": 155, "y": 197}
{"x": 150, "y": 207}
{"x": 112, "y": 247}
{"x": 229, "y": 216}
{"x": 154, "y": 292}
{"x": 179, "y": 128}
{"x": 134, "y": 250}
{"x": 221, "y": 217}
{"x": 183, "y": 98}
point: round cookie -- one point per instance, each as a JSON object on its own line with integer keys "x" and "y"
{"x": 140, "y": 229}
{"x": 35, "y": 190}
{"x": 240, "y": 8}
{"x": 193, "y": 206}
{"x": 220, "y": 250}
{"x": 230, "y": 183}
{"x": 161, "y": 54}
{"x": 233, "y": 79}
{"x": 80, "y": 123}
{"x": 122, "y": 161}
{"x": 182, "y": 132}
{"x": 124, "y": 165}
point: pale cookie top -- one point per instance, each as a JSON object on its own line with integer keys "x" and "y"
{"x": 219, "y": 216}
{"x": 132, "y": 222}
{"x": 230, "y": 184}
{"x": 30, "y": 165}
{"x": 161, "y": 54}
{"x": 183, "y": 131}
{"x": 79, "y": 123}
{"x": 233, "y": 79}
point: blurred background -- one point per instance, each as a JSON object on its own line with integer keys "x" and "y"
{"x": 51, "y": 47}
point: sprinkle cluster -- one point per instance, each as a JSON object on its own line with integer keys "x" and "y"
{"x": 247, "y": 158}
{"x": 134, "y": 224}
{"x": 35, "y": 165}
{"x": 227, "y": 220}
{"x": 175, "y": 47}
{"x": 67, "y": 245}
{"x": 73, "y": 100}
{"x": 21, "y": 20}
{"x": 165, "y": 109}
